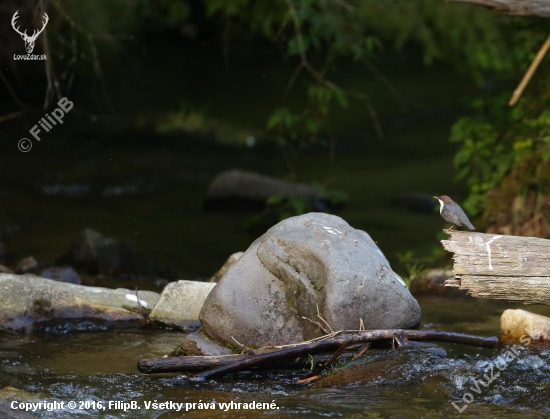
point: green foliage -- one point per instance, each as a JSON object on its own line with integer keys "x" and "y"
{"x": 336, "y": 197}
{"x": 295, "y": 131}
{"x": 279, "y": 208}
{"x": 474, "y": 40}
{"x": 287, "y": 207}
{"x": 497, "y": 138}
{"x": 414, "y": 264}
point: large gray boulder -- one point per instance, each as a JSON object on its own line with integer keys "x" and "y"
{"x": 304, "y": 266}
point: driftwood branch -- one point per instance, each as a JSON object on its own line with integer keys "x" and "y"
{"x": 501, "y": 267}
{"x": 185, "y": 363}
{"x": 202, "y": 363}
{"x": 221, "y": 365}
{"x": 365, "y": 336}
{"x": 536, "y": 8}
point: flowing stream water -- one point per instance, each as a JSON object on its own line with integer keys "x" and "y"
{"x": 100, "y": 366}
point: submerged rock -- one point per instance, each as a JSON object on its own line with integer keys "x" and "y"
{"x": 97, "y": 254}
{"x": 432, "y": 281}
{"x": 26, "y": 264}
{"x": 524, "y": 326}
{"x": 197, "y": 345}
{"x": 228, "y": 263}
{"x": 61, "y": 274}
{"x": 241, "y": 188}
{"x": 26, "y": 300}
{"x": 180, "y": 303}
{"x": 5, "y": 270}
{"x": 304, "y": 266}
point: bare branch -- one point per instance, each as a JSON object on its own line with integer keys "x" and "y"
{"x": 530, "y": 71}
{"x": 319, "y": 76}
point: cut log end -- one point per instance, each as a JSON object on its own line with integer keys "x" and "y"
{"x": 500, "y": 267}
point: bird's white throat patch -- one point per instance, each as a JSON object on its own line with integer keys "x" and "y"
{"x": 441, "y": 204}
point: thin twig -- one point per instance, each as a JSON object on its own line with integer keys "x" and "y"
{"x": 401, "y": 101}
{"x": 362, "y": 351}
{"x": 319, "y": 325}
{"x": 238, "y": 343}
{"x": 324, "y": 321}
{"x": 90, "y": 38}
{"x": 9, "y": 116}
{"x": 335, "y": 356}
{"x": 292, "y": 80}
{"x": 325, "y": 365}
{"x": 308, "y": 379}
{"x": 345, "y": 5}
{"x": 52, "y": 87}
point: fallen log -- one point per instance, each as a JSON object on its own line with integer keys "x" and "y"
{"x": 202, "y": 363}
{"x": 223, "y": 364}
{"x": 500, "y": 267}
{"x": 185, "y": 363}
{"x": 349, "y": 339}
{"x": 230, "y": 363}
{"x": 535, "y": 8}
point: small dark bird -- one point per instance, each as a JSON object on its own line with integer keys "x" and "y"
{"x": 452, "y": 213}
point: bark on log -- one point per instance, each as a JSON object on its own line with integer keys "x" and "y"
{"x": 501, "y": 267}
{"x": 536, "y": 8}
{"x": 185, "y": 363}
{"x": 206, "y": 362}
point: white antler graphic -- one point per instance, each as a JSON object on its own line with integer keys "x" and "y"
{"x": 29, "y": 40}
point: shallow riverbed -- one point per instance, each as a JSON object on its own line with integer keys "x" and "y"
{"x": 101, "y": 367}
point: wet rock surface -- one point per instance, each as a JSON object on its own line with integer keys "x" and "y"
{"x": 28, "y": 300}
{"x": 180, "y": 303}
{"x": 95, "y": 254}
{"x": 197, "y": 345}
{"x": 304, "y": 266}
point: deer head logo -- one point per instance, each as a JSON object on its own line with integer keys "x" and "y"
{"x": 29, "y": 40}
